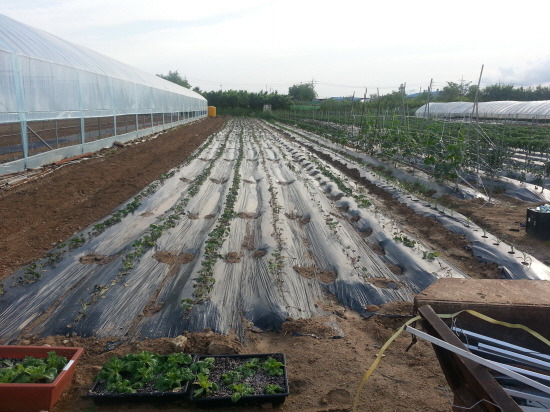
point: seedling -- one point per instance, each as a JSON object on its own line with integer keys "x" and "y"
{"x": 203, "y": 366}
{"x": 526, "y": 259}
{"x": 430, "y": 255}
{"x": 76, "y": 242}
{"x": 205, "y": 386}
{"x": 240, "y": 390}
{"x": 271, "y": 389}
{"x": 273, "y": 367}
{"x": 32, "y": 370}
{"x": 187, "y": 304}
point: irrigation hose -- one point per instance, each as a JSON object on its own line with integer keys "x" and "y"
{"x": 442, "y": 316}
{"x": 378, "y": 358}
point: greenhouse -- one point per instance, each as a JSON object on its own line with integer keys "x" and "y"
{"x": 502, "y": 110}
{"x": 60, "y": 99}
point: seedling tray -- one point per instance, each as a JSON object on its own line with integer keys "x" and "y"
{"x": 148, "y": 393}
{"x": 220, "y": 398}
{"x": 33, "y": 397}
{"x": 107, "y": 397}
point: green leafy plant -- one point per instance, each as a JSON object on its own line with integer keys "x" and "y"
{"x": 203, "y": 366}
{"x": 430, "y": 255}
{"x": 273, "y": 367}
{"x": 33, "y": 370}
{"x": 173, "y": 379}
{"x": 136, "y": 371}
{"x": 206, "y": 387}
{"x": 240, "y": 390}
{"x": 271, "y": 389}
{"x": 231, "y": 377}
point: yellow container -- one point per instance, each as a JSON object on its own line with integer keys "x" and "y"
{"x": 211, "y": 111}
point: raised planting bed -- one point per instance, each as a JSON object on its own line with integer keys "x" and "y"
{"x": 32, "y": 378}
{"x": 143, "y": 376}
{"x": 240, "y": 379}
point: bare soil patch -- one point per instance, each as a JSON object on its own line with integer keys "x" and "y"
{"x": 248, "y": 215}
{"x": 312, "y": 272}
{"x": 505, "y": 219}
{"x": 93, "y": 259}
{"x": 173, "y": 259}
{"x": 233, "y": 257}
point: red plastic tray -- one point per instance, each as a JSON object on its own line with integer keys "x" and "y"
{"x": 33, "y": 397}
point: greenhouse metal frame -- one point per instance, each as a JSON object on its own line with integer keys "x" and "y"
{"x": 60, "y": 100}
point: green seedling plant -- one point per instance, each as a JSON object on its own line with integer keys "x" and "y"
{"x": 76, "y": 242}
{"x": 203, "y": 366}
{"x": 204, "y": 283}
{"x": 400, "y": 237}
{"x": 136, "y": 371}
{"x": 272, "y": 389}
{"x": 273, "y": 367}
{"x": 205, "y": 386}
{"x": 240, "y": 390}
{"x": 32, "y": 370}
{"x": 526, "y": 259}
{"x": 149, "y": 240}
{"x": 231, "y": 377}
{"x": 30, "y": 275}
{"x": 430, "y": 255}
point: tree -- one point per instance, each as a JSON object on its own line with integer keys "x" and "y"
{"x": 454, "y": 92}
{"x": 175, "y": 77}
{"x": 304, "y": 92}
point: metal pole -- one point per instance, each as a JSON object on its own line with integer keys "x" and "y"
{"x": 56, "y": 134}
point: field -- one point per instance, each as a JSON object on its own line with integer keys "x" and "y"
{"x": 253, "y": 237}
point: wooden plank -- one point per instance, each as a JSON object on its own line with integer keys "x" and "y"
{"x": 469, "y": 381}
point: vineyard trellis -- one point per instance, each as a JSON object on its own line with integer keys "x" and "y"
{"x": 458, "y": 150}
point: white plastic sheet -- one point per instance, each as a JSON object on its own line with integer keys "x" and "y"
{"x": 44, "y": 77}
{"x": 488, "y": 110}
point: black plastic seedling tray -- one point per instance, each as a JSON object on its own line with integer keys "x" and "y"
{"x": 227, "y": 362}
{"x": 146, "y": 394}
{"x": 107, "y": 397}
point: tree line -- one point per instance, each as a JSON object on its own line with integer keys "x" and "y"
{"x": 397, "y": 99}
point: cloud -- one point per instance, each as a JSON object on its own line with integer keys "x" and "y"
{"x": 530, "y": 73}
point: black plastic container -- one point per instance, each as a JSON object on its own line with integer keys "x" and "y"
{"x": 108, "y": 397}
{"x": 538, "y": 224}
{"x": 256, "y": 399}
{"x": 98, "y": 394}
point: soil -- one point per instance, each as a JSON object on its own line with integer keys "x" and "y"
{"x": 326, "y": 357}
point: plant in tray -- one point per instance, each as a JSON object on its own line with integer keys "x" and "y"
{"x": 32, "y": 378}
{"x": 144, "y": 373}
{"x": 31, "y": 369}
{"x": 257, "y": 378}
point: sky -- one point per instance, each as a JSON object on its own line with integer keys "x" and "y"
{"x": 343, "y": 47}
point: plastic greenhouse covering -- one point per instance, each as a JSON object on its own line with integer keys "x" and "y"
{"x": 45, "y": 77}
{"x": 488, "y": 110}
